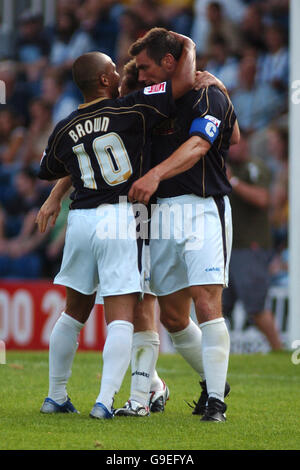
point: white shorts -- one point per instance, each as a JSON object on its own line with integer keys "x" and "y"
{"x": 95, "y": 257}
{"x": 145, "y": 274}
{"x": 190, "y": 244}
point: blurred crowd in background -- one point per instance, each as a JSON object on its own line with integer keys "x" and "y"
{"x": 242, "y": 42}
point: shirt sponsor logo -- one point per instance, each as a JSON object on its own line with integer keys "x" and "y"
{"x": 154, "y": 89}
{"x": 213, "y": 119}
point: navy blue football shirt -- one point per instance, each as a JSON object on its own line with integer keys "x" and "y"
{"x": 102, "y": 145}
{"x": 209, "y": 114}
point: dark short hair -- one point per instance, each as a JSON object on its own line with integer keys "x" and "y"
{"x": 157, "y": 42}
{"x": 131, "y": 76}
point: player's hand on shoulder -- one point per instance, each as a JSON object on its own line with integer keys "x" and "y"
{"x": 206, "y": 79}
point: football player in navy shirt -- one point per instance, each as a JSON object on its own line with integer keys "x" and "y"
{"x": 194, "y": 265}
{"x": 101, "y": 146}
{"x": 145, "y": 336}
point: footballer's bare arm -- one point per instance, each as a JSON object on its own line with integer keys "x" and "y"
{"x": 183, "y": 78}
{"x": 184, "y": 158}
{"x": 52, "y": 206}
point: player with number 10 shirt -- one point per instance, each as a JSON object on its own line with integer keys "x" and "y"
{"x": 102, "y": 145}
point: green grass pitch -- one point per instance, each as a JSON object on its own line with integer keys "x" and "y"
{"x": 263, "y": 407}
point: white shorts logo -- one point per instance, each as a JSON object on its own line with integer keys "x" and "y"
{"x": 154, "y": 89}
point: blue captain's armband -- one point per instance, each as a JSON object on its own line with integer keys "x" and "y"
{"x": 208, "y": 126}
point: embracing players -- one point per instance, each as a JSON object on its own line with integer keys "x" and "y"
{"x": 208, "y": 118}
{"x": 101, "y": 145}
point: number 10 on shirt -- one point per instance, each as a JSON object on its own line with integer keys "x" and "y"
{"x": 112, "y": 158}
